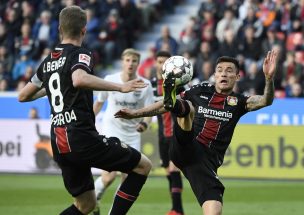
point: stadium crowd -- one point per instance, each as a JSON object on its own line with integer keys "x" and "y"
{"x": 245, "y": 29}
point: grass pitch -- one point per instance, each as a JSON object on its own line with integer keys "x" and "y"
{"x": 45, "y": 194}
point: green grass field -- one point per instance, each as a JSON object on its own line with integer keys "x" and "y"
{"x": 35, "y": 194}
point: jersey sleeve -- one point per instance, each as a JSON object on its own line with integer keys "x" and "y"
{"x": 82, "y": 59}
{"x": 37, "y": 78}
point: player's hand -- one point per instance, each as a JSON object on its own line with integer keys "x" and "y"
{"x": 125, "y": 114}
{"x": 270, "y": 64}
{"x": 133, "y": 85}
{"x": 141, "y": 126}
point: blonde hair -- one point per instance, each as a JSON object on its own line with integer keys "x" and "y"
{"x": 130, "y": 52}
{"x": 72, "y": 20}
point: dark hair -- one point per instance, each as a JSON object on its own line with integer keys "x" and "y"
{"x": 72, "y": 20}
{"x": 229, "y": 59}
{"x": 163, "y": 54}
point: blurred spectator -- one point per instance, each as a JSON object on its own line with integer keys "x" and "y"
{"x": 228, "y": 22}
{"x": 210, "y": 6}
{"x": 248, "y": 47}
{"x": 292, "y": 68}
{"x": 33, "y": 113}
{"x": 21, "y": 66}
{"x": 205, "y": 74}
{"x": 252, "y": 20}
{"x": 245, "y": 8}
{"x": 53, "y": 6}
{"x": 189, "y": 40}
{"x": 147, "y": 13}
{"x": 111, "y": 37}
{"x": 6, "y": 59}
{"x": 28, "y": 14}
{"x": 253, "y": 83}
{"x": 266, "y": 12}
{"x": 229, "y": 46}
{"x": 166, "y": 39}
{"x": 11, "y": 29}
{"x": 271, "y": 40}
{"x": 105, "y": 7}
{"x": 145, "y": 67}
{"x": 25, "y": 42}
{"x": 205, "y": 54}
{"x": 131, "y": 23}
{"x": 3, "y": 85}
{"x": 296, "y": 91}
{"x": 45, "y": 31}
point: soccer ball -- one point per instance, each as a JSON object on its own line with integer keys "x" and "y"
{"x": 181, "y": 68}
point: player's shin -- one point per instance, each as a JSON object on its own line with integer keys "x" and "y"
{"x": 127, "y": 193}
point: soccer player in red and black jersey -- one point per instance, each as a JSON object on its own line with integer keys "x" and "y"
{"x": 66, "y": 77}
{"x": 206, "y": 117}
{"x": 165, "y": 137}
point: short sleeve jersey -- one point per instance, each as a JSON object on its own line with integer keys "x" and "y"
{"x": 216, "y": 116}
{"x": 69, "y": 106}
{"x": 124, "y": 129}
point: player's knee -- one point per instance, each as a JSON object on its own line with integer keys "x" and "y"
{"x": 86, "y": 206}
{"x": 144, "y": 166}
{"x": 107, "y": 179}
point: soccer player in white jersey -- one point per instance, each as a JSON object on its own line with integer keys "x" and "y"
{"x": 128, "y": 131}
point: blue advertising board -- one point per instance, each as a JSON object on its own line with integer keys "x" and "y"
{"x": 281, "y": 112}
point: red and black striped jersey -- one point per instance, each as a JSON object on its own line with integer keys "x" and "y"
{"x": 216, "y": 115}
{"x": 69, "y": 105}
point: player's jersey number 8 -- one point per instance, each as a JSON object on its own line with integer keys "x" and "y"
{"x": 56, "y": 95}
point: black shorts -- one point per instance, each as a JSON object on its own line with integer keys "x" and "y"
{"x": 198, "y": 164}
{"x": 100, "y": 152}
{"x": 164, "y": 145}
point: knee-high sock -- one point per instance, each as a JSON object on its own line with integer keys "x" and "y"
{"x": 127, "y": 193}
{"x": 176, "y": 191}
{"x": 72, "y": 210}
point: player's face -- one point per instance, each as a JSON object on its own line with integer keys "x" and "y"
{"x": 159, "y": 65}
{"x": 225, "y": 76}
{"x": 130, "y": 64}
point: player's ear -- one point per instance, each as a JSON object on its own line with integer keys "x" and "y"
{"x": 83, "y": 31}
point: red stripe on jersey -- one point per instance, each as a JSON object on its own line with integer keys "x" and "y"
{"x": 211, "y": 127}
{"x": 126, "y": 196}
{"x": 55, "y": 55}
{"x": 167, "y": 124}
{"x": 160, "y": 87}
{"x": 62, "y": 141}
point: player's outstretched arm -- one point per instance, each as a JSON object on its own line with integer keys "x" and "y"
{"x": 269, "y": 68}
{"x": 31, "y": 92}
{"x": 151, "y": 110}
{"x": 82, "y": 79}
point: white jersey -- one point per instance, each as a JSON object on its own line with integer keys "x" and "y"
{"x": 124, "y": 129}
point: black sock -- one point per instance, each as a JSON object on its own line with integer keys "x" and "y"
{"x": 72, "y": 210}
{"x": 176, "y": 191}
{"x": 169, "y": 181}
{"x": 127, "y": 193}
{"x": 181, "y": 108}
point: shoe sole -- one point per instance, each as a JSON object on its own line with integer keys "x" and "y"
{"x": 169, "y": 89}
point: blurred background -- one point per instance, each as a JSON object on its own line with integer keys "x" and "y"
{"x": 268, "y": 144}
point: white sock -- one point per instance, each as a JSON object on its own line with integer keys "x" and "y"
{"x": 99, "y": 187}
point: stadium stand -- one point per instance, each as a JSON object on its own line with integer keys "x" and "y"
{"x": 202, "y": 31}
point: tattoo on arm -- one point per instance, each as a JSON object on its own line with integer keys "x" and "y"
{"x": 256, "y": 102}
{"x": 153, "y": 112}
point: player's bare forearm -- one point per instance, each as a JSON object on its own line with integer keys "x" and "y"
{"x": 30, "y": 93}
{"x": 151, "y": 110}
{"x": 259, "y": 101}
